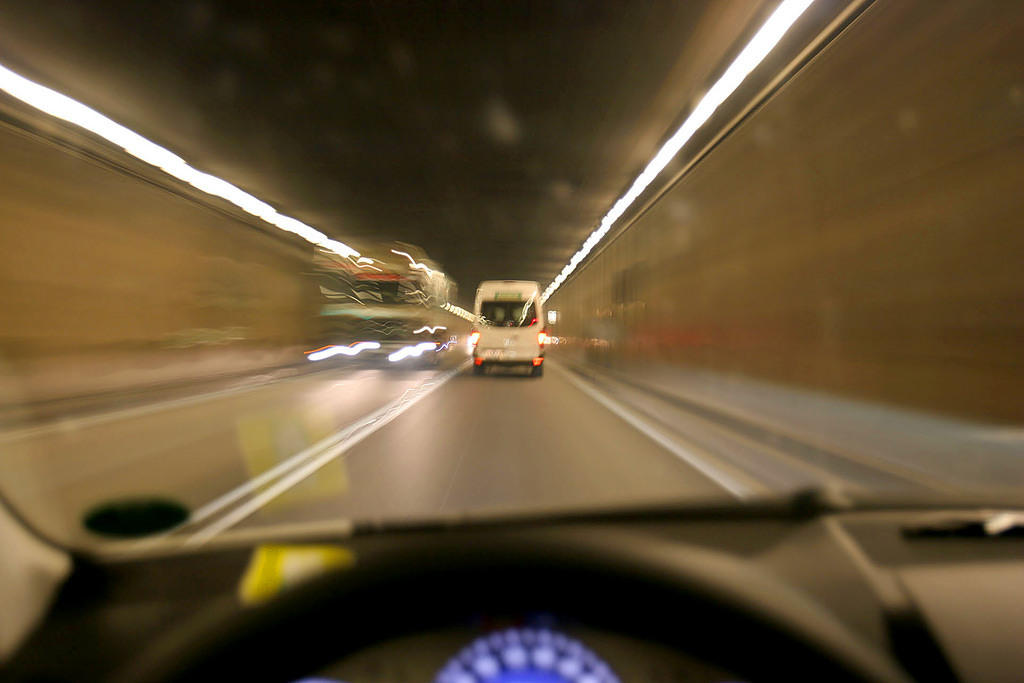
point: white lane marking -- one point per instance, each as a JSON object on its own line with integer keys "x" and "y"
{"x": 217, "y": 504}
{"x": 291, "y": 462}
{"x": 726, "y": 481}
{"x": 353, "y": 436}
{"x": 74, "y": 423}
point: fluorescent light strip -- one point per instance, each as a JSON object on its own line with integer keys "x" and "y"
{"x": 767, "y": 37}
{"x": 63, "y": 107}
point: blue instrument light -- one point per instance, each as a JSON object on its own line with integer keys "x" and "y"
{"x": 526, "y": 655}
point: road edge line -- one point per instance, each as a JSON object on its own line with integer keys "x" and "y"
{"x": 727, "y": 482}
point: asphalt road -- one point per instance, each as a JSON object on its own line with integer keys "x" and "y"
{"x": 495, "y": 443}
{"x": 352, "y": 442}
{"x": 345, "y": 442}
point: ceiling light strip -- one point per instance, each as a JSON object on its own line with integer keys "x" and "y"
{"x": 63, "y": 107}
{"x": 766, "y": 38}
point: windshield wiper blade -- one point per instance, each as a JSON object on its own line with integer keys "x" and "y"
{"x": 1005, "y": 524}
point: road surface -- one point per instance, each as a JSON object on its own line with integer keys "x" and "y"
{"x": 388, "y": 443}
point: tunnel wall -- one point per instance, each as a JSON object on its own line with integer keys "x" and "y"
{"x": 859, "y": 234}
{"x": 108, "y": 279}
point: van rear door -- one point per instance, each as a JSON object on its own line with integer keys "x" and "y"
{"x": 509, "y": 332}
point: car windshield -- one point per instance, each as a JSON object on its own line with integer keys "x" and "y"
{"x": 508, "y": 313}
{"x": 246, "y": 248}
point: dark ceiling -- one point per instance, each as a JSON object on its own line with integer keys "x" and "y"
{"x": 492, "y": 134}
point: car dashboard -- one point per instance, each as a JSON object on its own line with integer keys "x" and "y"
{"x": 549, "y": 651}
{"x": 928, "y": 588}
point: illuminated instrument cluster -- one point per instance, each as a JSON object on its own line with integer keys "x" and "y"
{"x": 526, "y": 655}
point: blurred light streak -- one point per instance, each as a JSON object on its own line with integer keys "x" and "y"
{"x": 753, "y": 54}
{"x": 430, "y": 329}
{"x": 414, "y": 351}
{"x": 353, "y": 350}
{"x": 459, "y": 311}
{"x": 413, "y": 263}
{"x": 63, "y": 107}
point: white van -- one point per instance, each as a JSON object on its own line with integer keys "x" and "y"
{"x": 509, "y": 326}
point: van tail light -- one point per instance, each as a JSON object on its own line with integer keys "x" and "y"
{"x": 478, "y": 361}
{"x": 474, "y": 337}
{"x": 538, "y": 360}
{"x": 543, "y": 338}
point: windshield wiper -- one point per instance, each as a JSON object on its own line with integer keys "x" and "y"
{"x": 990, "y": 525}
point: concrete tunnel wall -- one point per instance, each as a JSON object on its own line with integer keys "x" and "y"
{"x": 107, "y": 279}
{"x": 859, "y": 234}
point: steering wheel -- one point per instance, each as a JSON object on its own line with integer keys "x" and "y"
{"x": 713, "y": 606}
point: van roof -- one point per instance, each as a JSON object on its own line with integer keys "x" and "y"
{"x": 503, "y": 283}
{"x": 493, "y": 289}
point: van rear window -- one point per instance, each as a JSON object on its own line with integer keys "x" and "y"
{"x": 508, "y": 313}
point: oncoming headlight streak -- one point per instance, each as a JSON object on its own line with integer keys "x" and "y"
{"x": 411, "y": 351}
{"x": 353, "y": 350}
{"x": 428, "y": 328}
{"x": 753, "y": 54}
{"x": 63, "y": 107}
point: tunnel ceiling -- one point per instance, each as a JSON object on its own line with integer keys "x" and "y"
{"x": 494, "y": 135}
